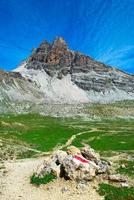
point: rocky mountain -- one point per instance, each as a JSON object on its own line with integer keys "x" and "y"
{"x": 54, "y": 74}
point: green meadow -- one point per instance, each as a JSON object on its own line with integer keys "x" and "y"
{"x": 45, "y": 133}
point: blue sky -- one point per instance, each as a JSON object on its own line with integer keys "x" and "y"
{"x": 103, "y": 29}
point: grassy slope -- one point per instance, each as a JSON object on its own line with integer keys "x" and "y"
{"x": 42, "y": 133}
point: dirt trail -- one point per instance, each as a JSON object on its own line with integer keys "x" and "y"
{"x": 68, "y": 143}
{"x": 73, "y": 137}
{"x": 16, "y": 182}
{"x": 16, "y": 185}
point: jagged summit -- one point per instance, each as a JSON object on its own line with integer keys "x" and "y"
{"x": 89, "y": 75}
{"x": 56, "y": 58}
{"x": 60, "y": 43}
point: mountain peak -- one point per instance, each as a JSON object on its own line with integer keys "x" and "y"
{"x": 56, "y": 70}
{"x": 60, "y": 43}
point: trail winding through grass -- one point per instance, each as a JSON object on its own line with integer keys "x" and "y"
{"x": 73, "y": 137}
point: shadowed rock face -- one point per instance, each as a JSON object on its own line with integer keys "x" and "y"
{"x": 58, "y": 61}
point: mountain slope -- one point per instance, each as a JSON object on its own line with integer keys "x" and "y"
{"x": 15, "y": 90}
{"x": 55, "y": 74}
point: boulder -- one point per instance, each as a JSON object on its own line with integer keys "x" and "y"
{"x": 116, "y": 178}
{"x": 74, "y": 164}
{"x": 102, "y": 166}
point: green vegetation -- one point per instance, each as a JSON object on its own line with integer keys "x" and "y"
{"x": 41, "y": 133}
{"x": 111, "y": 135}
{"x": 128, "y": 167}
{"x": 35, "y": 131}
{"x": 114, "y": 193}
{"x": 44, "y": 180}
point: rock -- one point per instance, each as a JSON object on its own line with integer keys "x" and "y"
{"x": 60, "y": 43}
{"x": 89, "y": 153}
{"x": 69, "y": 168}
{"x": 102, "y": 166}
{"x": 1, "y": 144}
{"x": 73, "y": 150}
{"x": 64, "y": 189}
{"x": 123, "y": 166}
{"x": 48, "y": 167}
{"x": 74, "y": 166}
{"x": 58, "y": 156}
{"x": 116, "y": 178}
{"x": 124, "y": 185}
{"x": 81, "y": 185}
{"x": 110, "y": 163}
